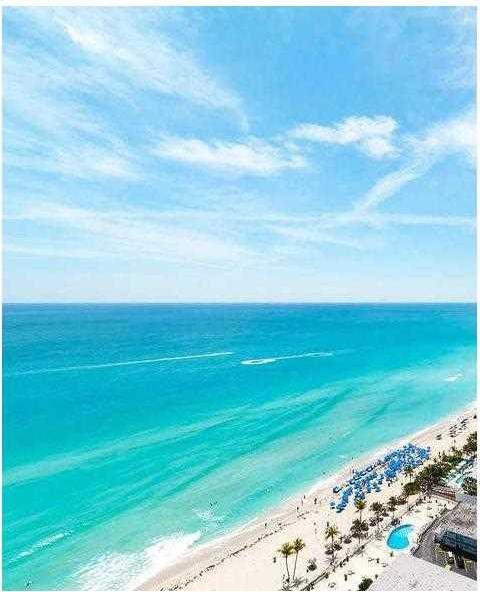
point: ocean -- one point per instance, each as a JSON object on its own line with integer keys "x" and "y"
{"x": 133, "y": 432}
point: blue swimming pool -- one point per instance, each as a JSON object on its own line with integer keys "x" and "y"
{"x": 398, "y": 538}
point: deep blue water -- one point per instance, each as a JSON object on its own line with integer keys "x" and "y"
{"x": 124, "y": 442}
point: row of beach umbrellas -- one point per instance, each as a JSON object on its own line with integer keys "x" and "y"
{"x": 372, "y": 477}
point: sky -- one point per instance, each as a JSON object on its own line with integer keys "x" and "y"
{"x": 239, "y": 154}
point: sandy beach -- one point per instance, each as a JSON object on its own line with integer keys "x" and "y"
{"x": 248, "y": 559}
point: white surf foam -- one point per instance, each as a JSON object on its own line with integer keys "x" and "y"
{"x": 116, "y": 571}
{"x": 126, "y": 363}
{"x": 259, "y": 361}
{"x": 208, "y": 516}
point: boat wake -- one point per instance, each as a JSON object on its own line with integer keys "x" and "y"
{"x": 454, "y": 377}
{"x": 260, "y": 361}
{"x": 126, "y": 363}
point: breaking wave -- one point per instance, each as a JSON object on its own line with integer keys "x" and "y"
{"x": 117, "y": 571}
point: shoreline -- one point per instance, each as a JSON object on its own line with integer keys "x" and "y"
{"x": 205, "y": 558}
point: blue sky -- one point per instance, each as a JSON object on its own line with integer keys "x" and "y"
{"x": 239, "y": 154}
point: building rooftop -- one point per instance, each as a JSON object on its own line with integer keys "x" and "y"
{"x": 410, "y": 573}
{"x": 461, "y": 520}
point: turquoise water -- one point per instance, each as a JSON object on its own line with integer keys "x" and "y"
{"x": 132, "y": 432}
{"x": 398, "y": 538}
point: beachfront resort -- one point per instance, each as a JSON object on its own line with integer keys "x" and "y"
{"x": 404, "y": 519}
{"x": 423, "y": 539}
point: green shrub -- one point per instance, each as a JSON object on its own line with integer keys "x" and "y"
{"x": 411, "y": 488}
{"x": 469, "y": 486}
{"x": 365, "y": 584}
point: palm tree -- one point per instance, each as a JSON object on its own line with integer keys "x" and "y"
{"x": 429, "y": 477}
{"x": 286, "y": 550}
{"x": 408, "y": 472}
{"x": 360, "y": 505}
{"x": 330, "y": 533}
{"x": 297, "y": 545}
{"x": 411, "y": 488}
{"x": 357, "y": 528}
{"x": 392, "y": 504}
{"x": 377, "y": 509}
{"x": 470, "y": 447}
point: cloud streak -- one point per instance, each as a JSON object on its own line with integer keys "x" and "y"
{"x": 128, "y": 45}
{"x": 253, "y": 156}
{"x": 455, "y": 136}
{"x": 118, "y": 49}
{"x": 371, "y": 135}
{"x": 123, "y": 233}
{"x": 79, "y": 67}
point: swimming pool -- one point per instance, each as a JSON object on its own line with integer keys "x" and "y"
{"x": 398, "y": 538}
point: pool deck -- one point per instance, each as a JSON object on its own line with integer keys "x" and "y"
{"x": 377, "y": 554}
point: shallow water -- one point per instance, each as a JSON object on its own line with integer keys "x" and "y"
{"x": 132, "y": 432}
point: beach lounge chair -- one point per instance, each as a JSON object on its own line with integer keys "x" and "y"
{"x": 470, "y": 567}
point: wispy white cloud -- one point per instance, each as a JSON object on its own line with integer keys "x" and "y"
{"x": 391, "y": 36}
{"x": 371, "y": 135}
{"x": 458, "y": 71}
{"x": 390, "y": 184}
{"x": 457, "y": 135}
{"x": 132, "y": 234}
{"x": 89, "y": 161}
{"x": 253, "y": 156}
{"x": 50, "y": 131}
{"x": 39, "y": 250}
{"x": 313, "y": 234}
{"x": 61, "y": 89}
{"x": 454, "y": 136}
{"x": 206, "y": 238}
{"x": 132, "y": 49}
{"x": 420, "y": 220}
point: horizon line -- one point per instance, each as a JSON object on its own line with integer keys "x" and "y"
{"x": 238, "y": 302}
